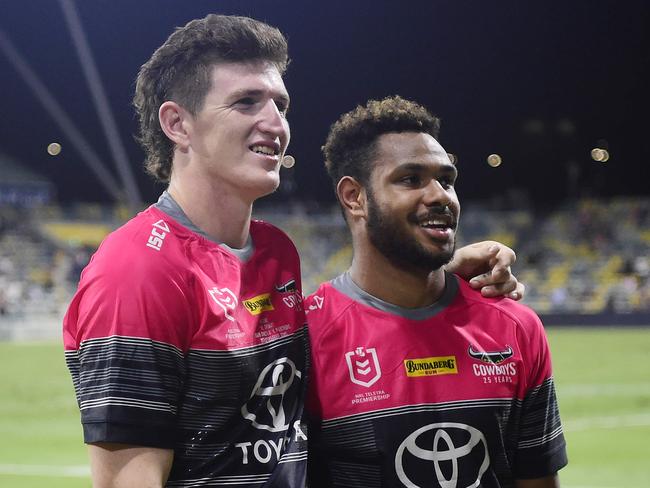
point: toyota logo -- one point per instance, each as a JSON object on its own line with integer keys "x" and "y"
{"x": 273, "y": 383}
{"x": 436, "y": 443}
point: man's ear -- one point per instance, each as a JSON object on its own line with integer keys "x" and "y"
{"x": 173, "y": 121}
{"x": 352, "y": 196}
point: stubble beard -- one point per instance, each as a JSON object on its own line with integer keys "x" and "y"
{"x": 402, "y": 251}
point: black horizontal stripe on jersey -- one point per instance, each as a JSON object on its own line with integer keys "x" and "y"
{"x": 220, "y": 382}
{"x": 423, "y": 407}
{"x": 248, "y": 350}
{"x": 544, "y": 439}
{"x": 354, "y": 475}
{"x": 125, "y": 372}
{"x": 247, "y": 480}
{"x": 293, "y": 457}
{"x": 524, "y": 437}
{"x": 205, "y": 451}
{"x": 127, "y": 389}
{"x": 540, "y": 417}
{"x": 217, "y": 387}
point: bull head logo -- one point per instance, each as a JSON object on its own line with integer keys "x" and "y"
{"x": 494, "y": 357}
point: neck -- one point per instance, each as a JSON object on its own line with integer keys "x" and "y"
{"x": 376, "y": 275}
{"x": 223, "y": 215}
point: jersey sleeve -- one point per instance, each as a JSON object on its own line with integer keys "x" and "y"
{"x": 540, "y": 446}
{"x": 125, "y": 334}
{"x": 316, "y": 319}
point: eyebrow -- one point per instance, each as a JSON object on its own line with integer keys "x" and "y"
{"x": 419, "y": 167}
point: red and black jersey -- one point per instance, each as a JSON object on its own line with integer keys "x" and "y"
{"x": 177, "y": 342}
{"x": 457, "y": 394}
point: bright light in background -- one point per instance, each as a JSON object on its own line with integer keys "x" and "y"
{"x": 494, "y": 160}
{"x": 600, "y": 155}
{"x": 53, "y": 148}
{"x": 288, "y": 161}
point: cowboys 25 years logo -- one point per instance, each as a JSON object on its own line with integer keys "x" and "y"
{"x": 444, "y": 455}
{"x": 494, "y": 357}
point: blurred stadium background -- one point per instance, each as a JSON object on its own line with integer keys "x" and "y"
{"x": 559, "y": 93}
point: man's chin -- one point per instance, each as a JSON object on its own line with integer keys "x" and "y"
{"x": 267, "y": 187}
{"x": 440, "y": 250}
{"x": 420, "y": 262}
{"x": 438, "y": 259}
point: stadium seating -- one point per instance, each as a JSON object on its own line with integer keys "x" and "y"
{"x": 588, "y": 257}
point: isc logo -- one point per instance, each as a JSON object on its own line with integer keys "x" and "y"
{"x": 158, "y": 233}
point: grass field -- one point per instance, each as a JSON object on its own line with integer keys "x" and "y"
{"x": 603, "y": 379}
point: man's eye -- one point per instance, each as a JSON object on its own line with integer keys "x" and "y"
{"x": 246, "y": 101}
{"x": 412, "y": 180}
{"x": 283, "y": 107}
{"x": 446, "y": 182}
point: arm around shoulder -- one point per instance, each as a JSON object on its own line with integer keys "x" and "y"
{"x": 126, "y": 466}
{"x": 486, "y": 265}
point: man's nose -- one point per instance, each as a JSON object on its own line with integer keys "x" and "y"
{"x": 272, "y": 121}
{"x": 436, "y": 194}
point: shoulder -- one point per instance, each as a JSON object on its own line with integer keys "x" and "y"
{"x": 317, "y": 303}
{"x": 148, "y": 245}
{"x": 507, "y": 321}
{"x": 503, "y": 307}
{"x": 326, "y": 306}
{"x": 265, "y": 234}
{"x": 274, "y": 254}
{"x": 132, "y": 288}
{"x": 501, "y": 317}
{"x": 315, "y": 300}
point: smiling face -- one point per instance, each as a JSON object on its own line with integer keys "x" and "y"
{"x": 241, "y": 132}
{"x": 413, "y": 208}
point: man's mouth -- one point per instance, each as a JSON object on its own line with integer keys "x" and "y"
{"x": 265, "y": 150}
{"x": 439, "y": 226}
{"x": 438, "y": 223}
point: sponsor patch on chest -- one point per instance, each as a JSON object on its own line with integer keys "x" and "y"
{"x": 495, "y": 366}
{"x": 259, "y": 304}
{"x": 432, "y": 366}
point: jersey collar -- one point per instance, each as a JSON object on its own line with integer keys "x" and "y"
{"x": 167, "y": 204}
{"x": 344, "y": 284}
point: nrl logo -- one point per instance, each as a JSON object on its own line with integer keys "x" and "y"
{"x": 494, "y": 357}
{"x": 363, "y": 366}
{"x": 226, "y": 299}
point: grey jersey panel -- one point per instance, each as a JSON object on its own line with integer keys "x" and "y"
{"x": 345, "y": 285}
{"x": 168, "y": 205}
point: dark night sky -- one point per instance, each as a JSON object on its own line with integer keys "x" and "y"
{"x": 486, "y": 68}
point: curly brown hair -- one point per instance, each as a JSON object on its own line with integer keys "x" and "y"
{"x": 180, "y": 70}
{"x": 351, "y": 142}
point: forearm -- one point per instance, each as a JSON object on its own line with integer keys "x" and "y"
{"x": 552, "y": 481}
{"x": 124, "y": 466}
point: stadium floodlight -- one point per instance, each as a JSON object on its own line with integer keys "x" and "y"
{"x": 88, "y": 154}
